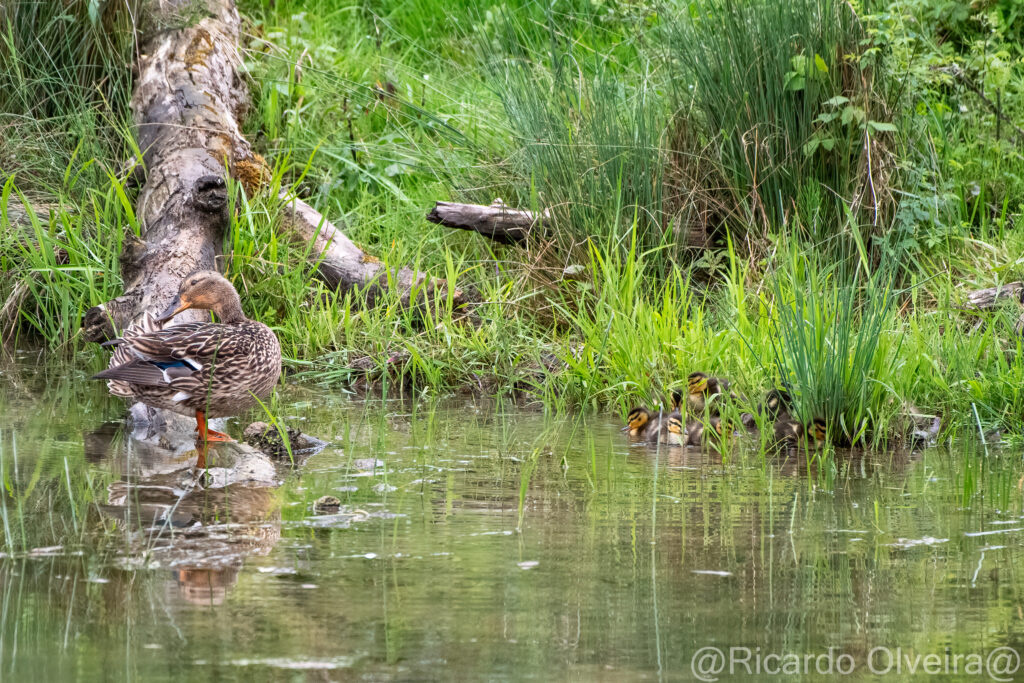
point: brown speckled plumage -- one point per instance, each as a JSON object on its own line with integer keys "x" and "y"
{"x": 219, "y": 368}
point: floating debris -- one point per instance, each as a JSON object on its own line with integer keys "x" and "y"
{"x": 326, "y": 505}
{"x": 367, "y": 463}
{"x": 269, "y": 439}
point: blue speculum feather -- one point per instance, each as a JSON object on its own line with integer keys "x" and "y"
{"x": 175, "y": 364}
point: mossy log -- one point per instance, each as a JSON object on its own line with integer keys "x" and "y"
{"x": 187, "y": 103}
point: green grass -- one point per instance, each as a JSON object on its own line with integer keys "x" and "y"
{"x": 748, "y": 123}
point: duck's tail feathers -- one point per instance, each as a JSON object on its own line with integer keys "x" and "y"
{"x": 135, "y": 372}
{"x": 122, "y": 357}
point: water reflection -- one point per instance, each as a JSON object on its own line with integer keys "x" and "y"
{"x": 480, "y": 541}
{"x": 174, "y": 514}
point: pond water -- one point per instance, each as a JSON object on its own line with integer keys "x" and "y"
{"x": 478, "y": 540}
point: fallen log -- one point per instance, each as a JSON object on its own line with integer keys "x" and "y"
{"x": 187, "y": 103}
{"x": 343, "y": 266}
{"x": 987, "y": 298}
{"x": 497, "y": 221}
{"x": 184, "y": 105}
{"x": 506, "y": 225}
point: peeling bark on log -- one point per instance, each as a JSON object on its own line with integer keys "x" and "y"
{"x": 497, "y": 221}
{"x": 186, "y": 104}
{"x": 183, "y": 104}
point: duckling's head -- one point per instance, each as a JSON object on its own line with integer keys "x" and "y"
{"x": 716, "y": 424}
{"x": 207, "y": 290}
{"x": 636, "y": 419}
{"x": 818, "y": 429}
{"x": 675, "y": 425}
{"x": 677, "y": 399}
{"x": 778, "y": 400}
{"x": 696, "y": 383}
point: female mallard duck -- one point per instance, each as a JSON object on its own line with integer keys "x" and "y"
{"x": 203, "y": 369}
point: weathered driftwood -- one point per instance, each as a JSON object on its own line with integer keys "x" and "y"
{"x": 982, "y": 299}
{"x": 507, "y": 225}
{"x": 987, "y": 298}
{"x": 187, "y": 102}
{"x": 497, "y": 221}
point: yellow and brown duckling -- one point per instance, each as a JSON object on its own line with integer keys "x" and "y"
{"x": 673, "y": 430}
{"x": 777, "y": 404}
{"x": 701, "y": 389}
{"x": 655, "y": 427}
{"x": 201, "y": 369}
{"x": 791, "y": 432}
{"x": 707, "y": 433}
{"x": 642, "y": 424}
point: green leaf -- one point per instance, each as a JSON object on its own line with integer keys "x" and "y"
{"x": 820, "y": 64}
{"x": 836, "y": 101}
{"x": 795, "y": 81}
{"x": 883, "y": 127}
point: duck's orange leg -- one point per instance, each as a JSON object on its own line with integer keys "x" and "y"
{"x": 206, "y": 434}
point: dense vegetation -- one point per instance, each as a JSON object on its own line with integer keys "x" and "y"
{"x": 796, "y": 192}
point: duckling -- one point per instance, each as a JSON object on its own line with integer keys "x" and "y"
{"x": 777, "y": 403}
{"x": 700, "y": 434}
{"x": 701, "y": 388}
{"x": 792, "y": 433}
{"x": 673, "y": 431}
{"x": 642, "y": 424}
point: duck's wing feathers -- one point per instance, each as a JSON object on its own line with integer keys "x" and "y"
{"x": 198, "y": 345}
{"x": 180, "y": 356}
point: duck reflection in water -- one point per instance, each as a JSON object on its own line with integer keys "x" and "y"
{"x": 201, "y": 524}
{"x": 205, "y": 586}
